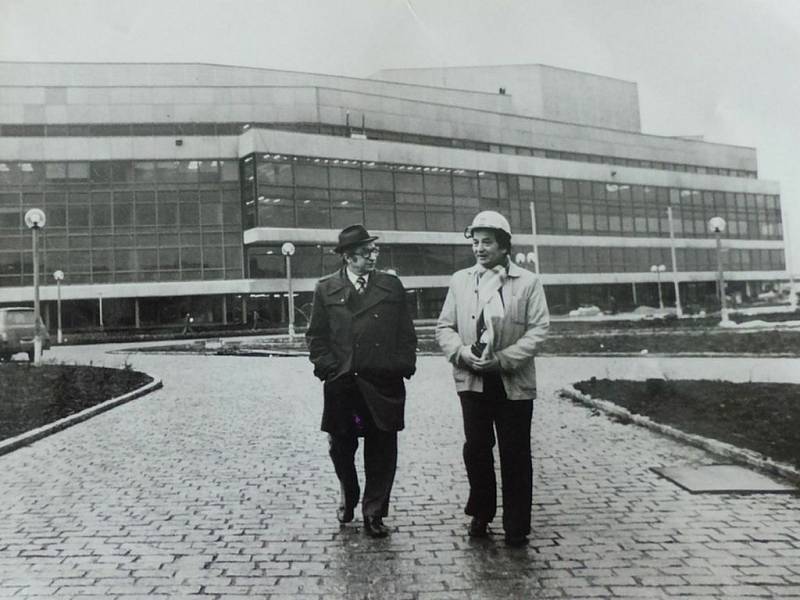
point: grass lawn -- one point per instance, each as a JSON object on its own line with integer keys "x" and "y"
{"x": 665, "y": 342}
{"x": 764, "y": 417}
{"x": 34, "y": 396}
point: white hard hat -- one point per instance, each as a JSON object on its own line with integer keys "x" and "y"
{"x": 488, "y": 219}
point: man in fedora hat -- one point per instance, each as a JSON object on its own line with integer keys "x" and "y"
{"x": 361, "y": 340}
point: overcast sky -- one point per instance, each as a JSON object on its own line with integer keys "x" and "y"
{"x": 725, "y": 69}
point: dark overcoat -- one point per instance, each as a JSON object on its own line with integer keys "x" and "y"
{"x": 368, "y": 338}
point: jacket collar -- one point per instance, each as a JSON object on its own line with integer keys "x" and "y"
{"x": 378, "y": 288}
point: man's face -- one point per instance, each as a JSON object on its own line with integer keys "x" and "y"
{"x": 362, "y": 259}
{"x": 486, "y": 249}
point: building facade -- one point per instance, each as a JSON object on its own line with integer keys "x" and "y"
{"x": 170, "y": 188}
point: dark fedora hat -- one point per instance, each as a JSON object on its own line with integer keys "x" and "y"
{"x": 353, "y": 235}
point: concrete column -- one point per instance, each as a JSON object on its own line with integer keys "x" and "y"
{"x": 635, "y": 301}
{"x": 137, "y": 322}
{"x": 224, "y": 309}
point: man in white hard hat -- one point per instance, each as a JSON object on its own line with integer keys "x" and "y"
{"x": 493, "y": 319}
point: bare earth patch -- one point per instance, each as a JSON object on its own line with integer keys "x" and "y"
{"x": 31, "y": 397}
{"x": 764, "y": 417}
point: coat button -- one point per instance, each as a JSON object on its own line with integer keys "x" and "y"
{"x": 375, "y": 315}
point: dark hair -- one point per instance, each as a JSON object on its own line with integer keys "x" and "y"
{"x": 503, "y": 240}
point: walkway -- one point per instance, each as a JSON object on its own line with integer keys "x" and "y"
{"x": 219, "y": 486}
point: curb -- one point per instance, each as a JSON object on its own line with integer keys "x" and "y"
{"x": 716, "y": 447}
{"x": 34, "y": 435}
{"x": 649, "y": 354}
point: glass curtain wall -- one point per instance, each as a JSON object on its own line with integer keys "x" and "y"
{"x": 123, "y": 221}
{"x": 295, "y": 191}
{"x": 316, "y": 260}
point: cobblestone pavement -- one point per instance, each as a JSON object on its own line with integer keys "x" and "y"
{"x": 219, "y": 486}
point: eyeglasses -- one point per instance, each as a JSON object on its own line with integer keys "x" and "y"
{"x": 368, "y": 252}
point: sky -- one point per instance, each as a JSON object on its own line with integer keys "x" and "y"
{"x": 727, "y": 70}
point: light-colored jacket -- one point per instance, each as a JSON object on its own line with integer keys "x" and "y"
{"x": 517, "y": 335}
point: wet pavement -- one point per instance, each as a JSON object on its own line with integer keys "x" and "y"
{"x": 219, "y": 486}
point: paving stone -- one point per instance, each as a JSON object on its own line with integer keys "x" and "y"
{"x": 219, "y": 486}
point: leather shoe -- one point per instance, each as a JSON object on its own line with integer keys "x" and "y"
{"x": 345, "y": 514}
{"x": 374, "y": 527}
{"x": 516, "y": 540}
{"x": 478, "y": 528}
{"x": 348, "y": 498}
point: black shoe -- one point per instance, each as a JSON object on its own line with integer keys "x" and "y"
{"x": 348, "y": 498}
{"x": 345, "y": 514}
{"x": 516, "y": 540}
{"x": 478, "y": 528}
{"x": 374, "y": 527}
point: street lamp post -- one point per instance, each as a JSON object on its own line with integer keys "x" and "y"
{"x": 35, "y": 220}
{"x": 716, "y": 225}
{"x": 59, "y": 276}
{"x": 678, "y": 309}
{"x": 658, "y": 270}
{"x": 532, "y": 255}
{"x": 288, "y": 250}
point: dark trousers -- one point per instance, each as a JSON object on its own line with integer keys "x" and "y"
{"x": 380, "y": 463}
{"x": 484, "y": 414}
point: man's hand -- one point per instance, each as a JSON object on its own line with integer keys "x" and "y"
{"x": 486, "y": 364}
{"x": 481, "y": 364}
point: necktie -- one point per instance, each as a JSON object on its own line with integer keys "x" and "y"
{"x": 361, "y": 285}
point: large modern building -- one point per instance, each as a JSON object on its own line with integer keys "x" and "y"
{"x": 170, "y": 188}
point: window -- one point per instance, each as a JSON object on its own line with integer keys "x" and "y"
{"x": 275, "y": 211}
{"x": 189, "y": 209}
{"x": 465, "y": 210}
{"x": 147, "y": 259}
{"x": 144, "y": 172}
{"x": 208, "y": 171}
{"x": 347, "y": 208}
{"x": 55, "y": 171}
{"x": 465, "y": 186}
{"x": 345, "y": 178}
{"x": 379, "y": 210}
{"x": 121, "y": 171}
{"x": 438, "y": 184}
{"x": 313, "y": 207}
{"x": 280, "y": 174}
{"x": 308, "y": 175}
{"x": 78, "y": 215}
{"x": 168, "y": 258}
{"x": 375, "y": 179}
{"x": 78, "y": 170}
{"x": 212, "y": 258}
{"x": 408, "y": 182}
{"x": 411, "y": 212}
{"x": 210, "y": 208}
{"x": 125, "y": 259}
{"x": 439, "y": 213}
